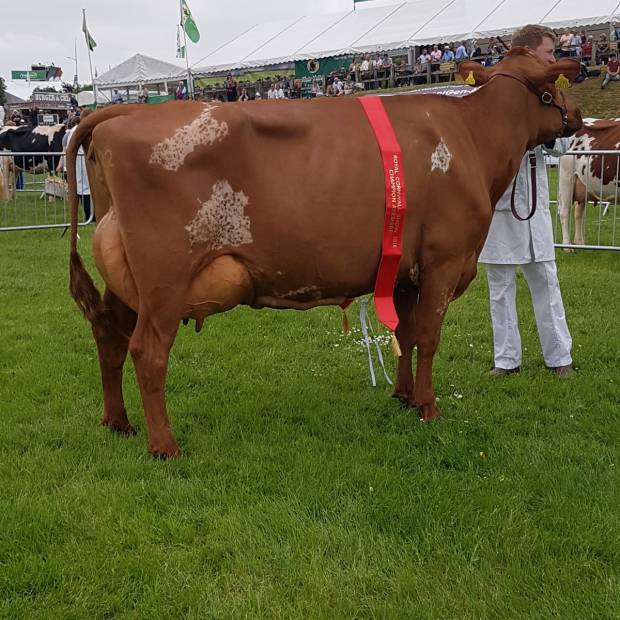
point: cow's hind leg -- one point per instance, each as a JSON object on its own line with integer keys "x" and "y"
{"x": 404, "y": 301}
{"x": 112, "y": 344}
{"x": 150, "y": 346}
{"x": 580, "y": 207}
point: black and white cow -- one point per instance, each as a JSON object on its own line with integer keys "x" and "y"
{"x": 28, "y": 139}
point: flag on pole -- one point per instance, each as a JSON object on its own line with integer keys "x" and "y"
{"x": 188, "y": 23}
{"x": 180, "y": 48}
{"x": 90, "y": 42}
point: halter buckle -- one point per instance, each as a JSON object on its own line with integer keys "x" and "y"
{"x": 546, "y": 97}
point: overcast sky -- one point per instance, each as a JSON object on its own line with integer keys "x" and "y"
{"x": 45, "y": 32}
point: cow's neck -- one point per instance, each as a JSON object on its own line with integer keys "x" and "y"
{"x": 503, "y": 143}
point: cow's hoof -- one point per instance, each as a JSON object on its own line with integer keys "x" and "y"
{"x": 406, "y": 400}
{"x": 160, "y": 455}
{"x": 120, "y": 429}
{"x": 569, "y": 250}
{"x": 428, "y": 413}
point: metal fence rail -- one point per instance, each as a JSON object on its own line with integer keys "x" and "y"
{"x": 34, "y": 201}
{"x": 587, "y": 216}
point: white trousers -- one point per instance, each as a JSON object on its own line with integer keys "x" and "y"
{"x": 542, "y": 280}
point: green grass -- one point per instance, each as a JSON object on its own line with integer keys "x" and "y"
{"x": 304, "y": 492}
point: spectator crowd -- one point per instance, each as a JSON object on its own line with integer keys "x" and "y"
{"x": 425, "y": 64}
{"x": 433, "y": 63}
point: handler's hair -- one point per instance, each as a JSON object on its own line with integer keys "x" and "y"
{"x": 531, "y": 36}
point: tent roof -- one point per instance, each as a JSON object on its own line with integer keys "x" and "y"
{"x": 137, "y": 69}
{"x": 394, "y": 25}
{"x": 11, "y": 98}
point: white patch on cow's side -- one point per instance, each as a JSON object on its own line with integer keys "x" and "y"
{"x": 171, "y": 152}
{"x": 304, "y": 291}
{"x": 582, "y": 143}
{"x": 221, "y": 221}
{"x": 441, "y": 157}
{"x": 617, "y": 146}
{"x": 585, "y": 169}
{"x": 49, "y": 131}
{"x": 589, "y": 122}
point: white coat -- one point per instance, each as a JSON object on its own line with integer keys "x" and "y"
{"x": 512, "y": 242}
{"x": 83, "y": 186}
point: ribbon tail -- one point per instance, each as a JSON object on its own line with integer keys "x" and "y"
{"x": 364, "y": 325}
{"x": 380, "y": 355}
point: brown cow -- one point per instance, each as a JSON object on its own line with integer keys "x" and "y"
{"x": 193, "y": 220}
{"x": 589, "y": 177}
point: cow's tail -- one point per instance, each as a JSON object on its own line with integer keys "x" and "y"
{"x": 81, "y": 285}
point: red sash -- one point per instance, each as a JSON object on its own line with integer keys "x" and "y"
{"x": 395, "y": 207}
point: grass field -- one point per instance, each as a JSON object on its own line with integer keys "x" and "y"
{"x": 304, "y": 492}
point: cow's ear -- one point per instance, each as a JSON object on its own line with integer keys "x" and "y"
{"x": 473, "y": 73}
{"x": 563, "y": 73}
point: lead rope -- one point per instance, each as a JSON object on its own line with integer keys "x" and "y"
{"x": 534, "y": 190}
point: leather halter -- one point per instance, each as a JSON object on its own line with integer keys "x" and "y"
{"x": 546, "y": 98}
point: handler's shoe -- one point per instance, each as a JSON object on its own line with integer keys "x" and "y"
{"x": 564, "y": 372}
{"x": 500, "y": 372}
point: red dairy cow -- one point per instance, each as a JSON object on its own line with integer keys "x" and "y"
{"x": 192, "y": 219}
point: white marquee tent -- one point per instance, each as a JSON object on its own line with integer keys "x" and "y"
{"x": 138, "y": 69}
{"x": 397, "y": 25}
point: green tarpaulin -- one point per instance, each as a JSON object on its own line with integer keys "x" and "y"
{"x": 322, "y": 66}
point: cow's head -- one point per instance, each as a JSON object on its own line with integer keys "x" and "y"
{"x": 555, "y": 115}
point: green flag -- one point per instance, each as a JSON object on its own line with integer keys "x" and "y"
{"x": 90, "y": 42}
{"x": 188, "y": 23}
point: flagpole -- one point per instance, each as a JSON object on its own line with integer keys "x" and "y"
{"x": 190, "y": 81}
{"x": 76, "y": 63}
{"x": 90, "y": 62}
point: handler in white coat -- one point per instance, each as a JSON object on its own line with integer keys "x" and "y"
{"x": 512, "y": 243}
{"x": 81, "y": 177}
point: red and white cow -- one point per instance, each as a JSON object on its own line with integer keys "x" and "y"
{"x": 589, "y": 177}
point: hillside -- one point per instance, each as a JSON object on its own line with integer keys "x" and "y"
{"x": 595, "y": 102}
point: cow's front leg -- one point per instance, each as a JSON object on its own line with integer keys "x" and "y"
{"x": 404, "y": 301}
{"x": 112, "y": 345}
{"x": 150, "y": 347}
{"x": 437, "y": 288}
{"x": 565, "y": 221}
